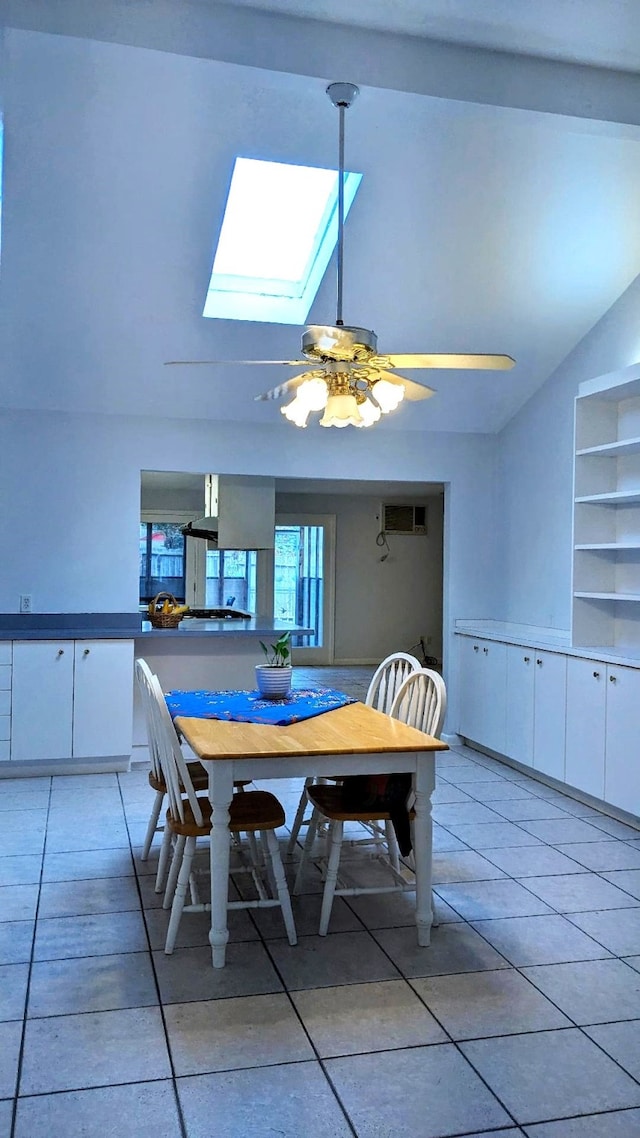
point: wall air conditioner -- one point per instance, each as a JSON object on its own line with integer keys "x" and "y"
{"x": 404, "y": 519}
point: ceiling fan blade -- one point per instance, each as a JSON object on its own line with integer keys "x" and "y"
{"x": 286, "y": 388}
{"x": 412, "y": 391}
{"x": 453, "y": 360}
{"x": 227, "y": 363}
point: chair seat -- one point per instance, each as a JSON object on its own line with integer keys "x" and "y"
{"x": 199, "y": 778}
{"x": 250, "y": 811}
{"x": 330, "y": 801}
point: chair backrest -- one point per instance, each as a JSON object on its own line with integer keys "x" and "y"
{"x": 421, "y": 701}
{"x": 144, "y": 676}
{"x": 174, "y": 765}
{"x": 387, "y": 678}
{"x": 164, "y": 745}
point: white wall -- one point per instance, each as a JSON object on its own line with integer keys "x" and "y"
{"x": 380, "y": 606}
{"x": 69, "y": 511}
{"x": 87, "y": 319}
{"x": 535, "y": 462}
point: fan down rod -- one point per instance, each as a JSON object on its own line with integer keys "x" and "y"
{"x": 342, "y": 95}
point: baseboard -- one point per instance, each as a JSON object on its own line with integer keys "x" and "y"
{"x": 349, "y": 663}
{"x": 557, "y": 784}
{"x": 44, "y": 768}
{"x": 451, "y": 739}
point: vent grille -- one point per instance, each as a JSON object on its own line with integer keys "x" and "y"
{"x": 404, "y": 519}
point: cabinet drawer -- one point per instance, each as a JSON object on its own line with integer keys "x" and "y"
{"x": 5, "y": 727}
{"x": 5, "y": 677}
{"x": 5, "y": 652}
{"x": 5, "y": 703}
{"x": 4, "y": 751}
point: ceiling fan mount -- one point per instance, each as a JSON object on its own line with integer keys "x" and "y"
{"x": 351, "y": 382}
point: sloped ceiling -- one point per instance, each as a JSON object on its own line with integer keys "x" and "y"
{"x": 477, "y": 227}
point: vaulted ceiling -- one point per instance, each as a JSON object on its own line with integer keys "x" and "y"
{"x": 499, "y": 210}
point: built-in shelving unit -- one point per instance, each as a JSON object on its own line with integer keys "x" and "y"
{"x": 606, "y": 513}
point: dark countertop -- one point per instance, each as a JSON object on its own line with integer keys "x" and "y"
{"x": 131, "y": 626}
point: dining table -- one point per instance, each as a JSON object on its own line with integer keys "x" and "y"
{"x": 353, "y": 739}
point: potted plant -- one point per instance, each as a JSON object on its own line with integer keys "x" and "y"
{"x": 274, "y": 677}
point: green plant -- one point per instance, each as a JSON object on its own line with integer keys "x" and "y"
{"x": 278, "y": 656}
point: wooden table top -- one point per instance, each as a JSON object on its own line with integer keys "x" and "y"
{"x": 352, "y": 730}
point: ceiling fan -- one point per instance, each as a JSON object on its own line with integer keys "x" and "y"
{"x": 349, "y": 380}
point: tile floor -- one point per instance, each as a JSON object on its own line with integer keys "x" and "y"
{"x": 522, "y": 1018}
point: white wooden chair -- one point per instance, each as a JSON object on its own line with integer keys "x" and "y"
{"x": 421, "y": 702}
{"x": 189, "y": 818}
{"x": 156, "y": 778}
{"x": 380, "y": 694}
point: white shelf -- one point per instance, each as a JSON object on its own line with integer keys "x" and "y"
{"x": 614, "y": 498}
{"x": 609, "y": 545}
{"x": 608, "y": 596}
{"x": 623, "y": 446}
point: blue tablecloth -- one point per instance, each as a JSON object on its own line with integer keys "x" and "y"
{"x": 249, "y": 707}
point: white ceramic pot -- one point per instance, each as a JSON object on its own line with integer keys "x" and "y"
{"x": 273, "y": 683}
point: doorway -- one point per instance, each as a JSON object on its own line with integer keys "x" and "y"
{"x": 303, "y": 582}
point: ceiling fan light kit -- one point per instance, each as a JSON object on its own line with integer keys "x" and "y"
{"x": 352, "y": 384}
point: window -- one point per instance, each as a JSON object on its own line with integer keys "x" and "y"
{"x": 279, "y": 230}
{"x": 230, "y": 578}
{"x": 298, "y": 594}
{"x": 162, "y": 560}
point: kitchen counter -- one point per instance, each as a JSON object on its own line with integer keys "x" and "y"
{"x": 130, "y": 626}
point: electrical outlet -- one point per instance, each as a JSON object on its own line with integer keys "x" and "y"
{"x": 26, "y": 602}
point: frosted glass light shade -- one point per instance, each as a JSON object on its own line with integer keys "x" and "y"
{"x": 369, "y": 413}
{"x": 388, "y": 395}
{"x": 341, "y": 410}
{"x": 312, "y": 393}
{"x": 296, "y": 412}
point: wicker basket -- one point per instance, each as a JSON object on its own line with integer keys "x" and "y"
{"x": 161, "y": 619}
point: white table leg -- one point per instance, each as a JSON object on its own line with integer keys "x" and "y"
{"x": 220, "y": 793}
{"x": 423, "y": 784}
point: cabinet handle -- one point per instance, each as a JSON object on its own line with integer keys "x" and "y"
{"x": 539, "y": 663}
{"x": 475, "y": 648}
{"x": 612, "y": 679}
{"x": 526, "y": 659}
{"x": 86, "y": 652}
{"x": 60, "y": 651}
{"x": 486, "y": 651}
{"x": 596, "y": 675}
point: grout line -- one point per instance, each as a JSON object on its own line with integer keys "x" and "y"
{"x": 181, "y": 1120}
{"x": 19, "y": 1064}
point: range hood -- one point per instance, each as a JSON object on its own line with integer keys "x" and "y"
{"x": 239, "y": 512}
{"x": 206, "y": 527}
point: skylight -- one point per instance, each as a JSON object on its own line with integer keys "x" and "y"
{"x": 279, "y": 230}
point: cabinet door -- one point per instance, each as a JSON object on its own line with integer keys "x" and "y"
{"x": 519, "y": 709}
{"x": 622, "y": 758}
{"x": 550, "y": 712}
{"x": 42, "y": 700}
{"x": 103, "y": 698}
{"x": 586, "y": 692}
{"x": 470, "y": 657}
{"x": 493, "y": 695}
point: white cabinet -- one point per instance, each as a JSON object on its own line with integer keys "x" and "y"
{"x": 586, "y": 697}
{"x": 550, "y": 709}
{"x": 71, "y": 700}
{"x": 102, "y": 698}
{"x": 6, "y": 656}
{"x": 603, "y": 723}
{"x": 483, "y": 673}
{"x": 606, "y": 517}
{"x": 42, "y": 699}
{"x": 622, "y": 754}
{"x": 519, "y": 704}
{"x": 535, "y": 709}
